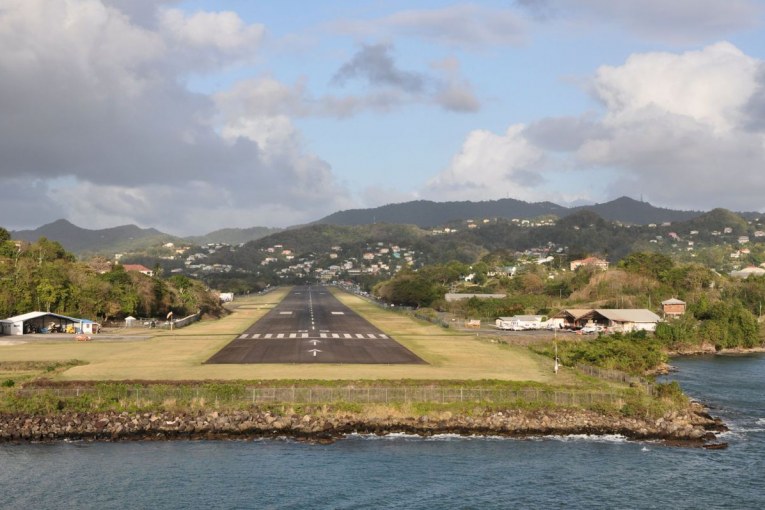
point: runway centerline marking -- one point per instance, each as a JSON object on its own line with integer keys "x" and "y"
{"x": 276, "y": 337}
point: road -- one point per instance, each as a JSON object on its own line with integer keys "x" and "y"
{"x": 311, "y": 326}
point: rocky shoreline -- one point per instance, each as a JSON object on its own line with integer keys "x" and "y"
{"x": 694, "y": 428}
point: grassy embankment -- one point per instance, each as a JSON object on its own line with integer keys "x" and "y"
{"x": 455, "y": 360}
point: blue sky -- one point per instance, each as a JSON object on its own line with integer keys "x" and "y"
{"x": 193, "y": 116}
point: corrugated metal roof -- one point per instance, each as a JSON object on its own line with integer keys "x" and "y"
{"x": 629, "y": 315}
{"x": 36, "y": 315}
{"x": 574, "y": 312}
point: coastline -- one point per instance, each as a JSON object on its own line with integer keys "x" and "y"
{"x": 695, "y": 428}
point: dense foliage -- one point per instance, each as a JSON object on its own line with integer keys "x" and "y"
{"x": 633, "y": 353}
{"x": 44, "y": 276}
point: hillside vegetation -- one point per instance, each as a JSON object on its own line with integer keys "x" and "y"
{"x": 44, "y": 276}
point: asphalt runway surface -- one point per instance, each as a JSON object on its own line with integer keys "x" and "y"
{"x": 311, "y": 326}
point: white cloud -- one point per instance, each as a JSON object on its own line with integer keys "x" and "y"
{"x": 676, "y": 128}
{"x": 490, "y": 166}
{"x": 90, "y": 99}
{"x": 710, "y": 86}
{"x": 224, "y": 31}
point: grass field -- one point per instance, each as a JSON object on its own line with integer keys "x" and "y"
{"x": 179, "y": 355}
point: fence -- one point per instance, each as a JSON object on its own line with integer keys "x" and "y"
{"x": 323, "y": 395}
{"x": 187, "y": 320}
{"x": 616, "y": 376}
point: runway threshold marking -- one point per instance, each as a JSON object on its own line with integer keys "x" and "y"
{"x": 293, "y": 335}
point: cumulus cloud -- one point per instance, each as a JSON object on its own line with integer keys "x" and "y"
{"x": 676, "y": 127}
{"x": 678, "y": 21}
{"x": 465, "y": 25}
{"x": 709, "y": 86}
{"x": 490, "y": 166}
{"x": 93, "y": 107}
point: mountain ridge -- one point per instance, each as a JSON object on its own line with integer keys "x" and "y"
{"x": 426, "y": 213}
{"x": 422, "y": 213}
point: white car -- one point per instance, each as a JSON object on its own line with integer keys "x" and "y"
{"x": 590, "y": 329}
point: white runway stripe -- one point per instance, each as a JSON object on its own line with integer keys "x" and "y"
{"x": 256, "y": 335}
{"x": 371, "y": 335}
{"x": 322, "y": 335}
{"x": 280, "y": 335}
{"x": 347, "y": 335}
{"x": 359, "y": 335}
{"x": 335, "y": 335}
{"x": 268, "y": 335}
{"x": 293, "y": 335}
{"x": 304, "y": 335}
{"x": 243, "y": 336}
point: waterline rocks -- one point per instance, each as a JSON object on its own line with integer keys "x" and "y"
{"x": 692, "y": 428}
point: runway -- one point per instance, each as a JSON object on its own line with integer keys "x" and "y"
{"x": 311, "y": 326}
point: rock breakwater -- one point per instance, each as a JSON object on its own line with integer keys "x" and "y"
{"x": 692, "y": 428}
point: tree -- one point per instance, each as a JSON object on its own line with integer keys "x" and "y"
{"x": 655, "y": 265}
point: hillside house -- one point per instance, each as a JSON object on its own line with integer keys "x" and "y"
{"x": 673, "y": 307}
{"x": 589, "y": 261}
{"x": 138, "y": 267}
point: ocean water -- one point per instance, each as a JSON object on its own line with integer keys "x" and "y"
{"x": 409, "y": 472}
